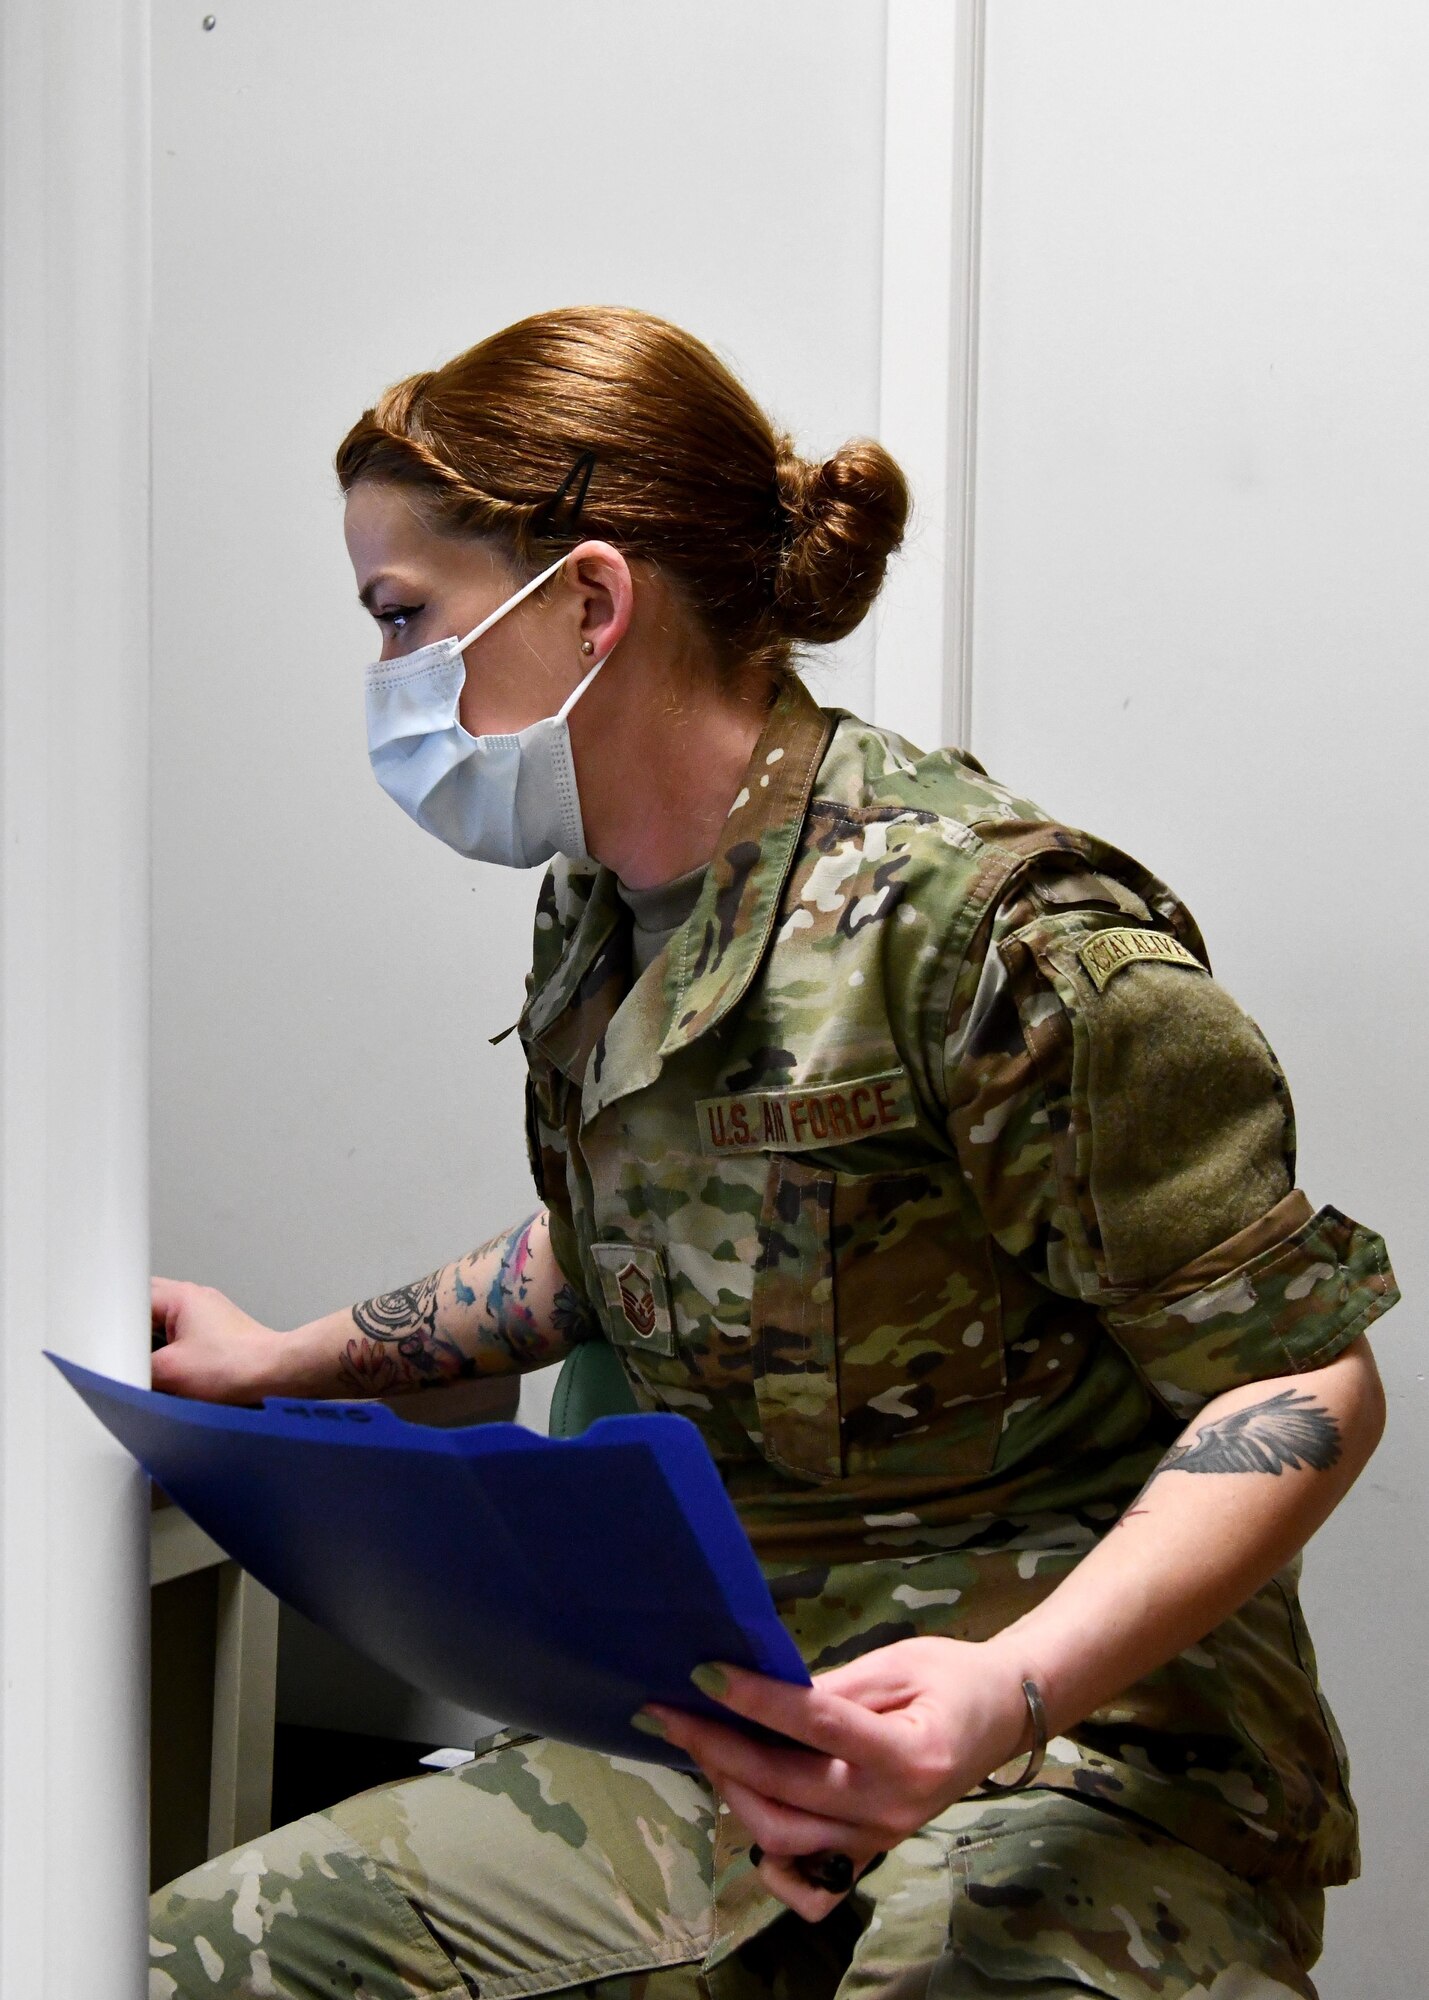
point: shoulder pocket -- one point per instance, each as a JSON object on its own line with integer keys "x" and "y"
{"x": 1171, "y": 1117}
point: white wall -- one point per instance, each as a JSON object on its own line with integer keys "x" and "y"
{"x": 345, "y": 192}
{"x": 74, "y": 1508}
{"x": 1202, "y": 628}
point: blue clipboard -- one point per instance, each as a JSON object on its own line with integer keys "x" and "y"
{"x": 553, "y": 1583}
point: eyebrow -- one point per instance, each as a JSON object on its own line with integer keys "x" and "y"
{"x": 370, "y": 588}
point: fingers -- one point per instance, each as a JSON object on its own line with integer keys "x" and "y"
{"x": 166, "y": 1297}
{"x": 163, "y": 1308}
{"x": 783, "y": 1830}
{"x": 870, "y": 1680}
{"x": 817, "y": 1716}
{"x": 802, "y": 1777}
{"x": 782, "y": 1879}
{"x": 896, "y": 1677}
{"x": 815, "y": 1882}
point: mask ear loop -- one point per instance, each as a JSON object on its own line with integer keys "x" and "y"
{"x": 574, "y": 696}
{"x": 563, "y": 760}
{"x": 510, "y": 604}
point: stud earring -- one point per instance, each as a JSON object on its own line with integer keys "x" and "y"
{"x": 587, "y": 645}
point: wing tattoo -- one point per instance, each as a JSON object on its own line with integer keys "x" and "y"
{"x": 1290, "y": 1429}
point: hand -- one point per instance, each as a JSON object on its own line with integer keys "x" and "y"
{"x": 892, "y": 1738}
{"x": 212, "y": 1351}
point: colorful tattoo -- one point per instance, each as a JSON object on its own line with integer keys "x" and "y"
{"x": 403, "y": 1345}
{"x": 507, "y": 1301}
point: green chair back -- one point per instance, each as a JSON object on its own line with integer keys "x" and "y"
{"x": 591, "y": 1384}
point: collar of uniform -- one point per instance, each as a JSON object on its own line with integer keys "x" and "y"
{"x": 710, "y": 961}
{"x": 611, "y": 1046}
{"x": 552, "y": 1013}
{"x": 733, "y": 921}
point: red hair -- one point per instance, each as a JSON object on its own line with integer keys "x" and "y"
{"x": 767, "y": 548}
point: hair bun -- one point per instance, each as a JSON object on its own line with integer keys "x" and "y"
{"x": 845, "y": 517}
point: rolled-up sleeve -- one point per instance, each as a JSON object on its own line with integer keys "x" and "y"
{"x": 1129, "y": 1136}
{"x": 1289, "y": 1293}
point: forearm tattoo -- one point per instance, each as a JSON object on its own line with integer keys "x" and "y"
{"x": 404, "y": 1314}
{"x": 1290, "y": 1429}
{"x": 402, "y": 1344}
{"x": 401, "y": 1347}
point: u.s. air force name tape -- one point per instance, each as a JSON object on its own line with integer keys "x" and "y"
{"x": 797, "y": 1121}
{"x": 1108, "y": 951}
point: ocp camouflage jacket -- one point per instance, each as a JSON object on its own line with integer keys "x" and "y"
{"x": 930, "y": 1173}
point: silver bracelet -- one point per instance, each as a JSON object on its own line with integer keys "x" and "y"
{"x": 1039, "y": 1745}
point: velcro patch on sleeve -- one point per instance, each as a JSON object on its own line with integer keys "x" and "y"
{"x": 637, "y": 1295}
{"x": 801, "y": 1120}
{"x": 1105, "y": 953}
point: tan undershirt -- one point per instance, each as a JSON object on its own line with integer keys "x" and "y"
{"x": 659, "y": 913}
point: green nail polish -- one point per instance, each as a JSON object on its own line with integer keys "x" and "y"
{"x": 711, "y": 1680}
{"x": 649, "y": 1725}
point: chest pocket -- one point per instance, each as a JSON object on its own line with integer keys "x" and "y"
{"x": 875, "y": 1326}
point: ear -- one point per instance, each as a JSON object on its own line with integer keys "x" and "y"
{"x": 605, "y": 593}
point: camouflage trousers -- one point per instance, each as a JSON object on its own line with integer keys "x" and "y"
{"x": 539, "y": 1868}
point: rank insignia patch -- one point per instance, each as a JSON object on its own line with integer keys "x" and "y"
{"x": 637, "y": 1296}
{"x": 637, "y": 1300}
{"x": 1105, "y": 953}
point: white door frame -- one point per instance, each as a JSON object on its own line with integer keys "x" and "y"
{"x": 74, "y": 939}
{"x": 932, "y": 199}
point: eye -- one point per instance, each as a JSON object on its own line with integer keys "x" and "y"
{"x": 397, "y": 617}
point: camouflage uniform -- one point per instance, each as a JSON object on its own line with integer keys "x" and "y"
{"x": 929, "y": 1172}
{"x": 541, "y": 1869}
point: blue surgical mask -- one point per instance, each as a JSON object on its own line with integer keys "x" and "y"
{"x": 510, "y": 799}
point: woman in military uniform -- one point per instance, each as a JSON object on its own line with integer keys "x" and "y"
{"x": 900, "y": 1138}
